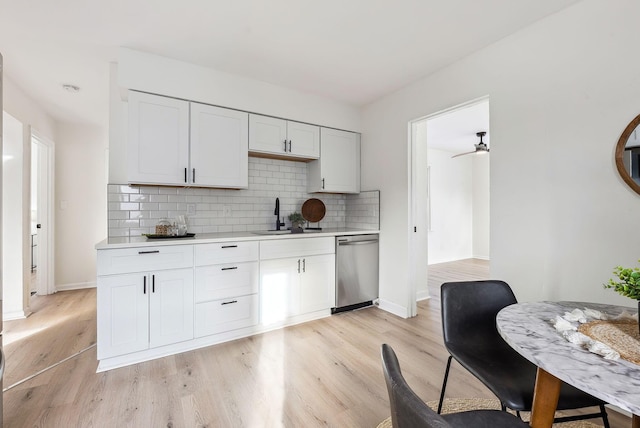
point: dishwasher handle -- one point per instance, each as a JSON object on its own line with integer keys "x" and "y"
{"x": 368, "y": 241}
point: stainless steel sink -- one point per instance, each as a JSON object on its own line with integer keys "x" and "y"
{"x": 271, "y": 232}
{"x": 280, "y": 232}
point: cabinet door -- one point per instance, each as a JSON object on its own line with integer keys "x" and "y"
{"x": 268, "y": 135}
{"x": 279, "y": 290}
{"x": 317, "y": 283}
{"x": 171, "y": 307}
{"x": 158, "y": 146}
{"x": 338, "y": 169}
{"x": 219, "y": 147}
{"x": 304, "y": 140}
{"x": 123, "y": 314}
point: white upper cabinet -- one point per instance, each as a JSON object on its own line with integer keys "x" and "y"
{"x": 175, "y": 142}
{"x": 338, "y": 169}
{"x": 273, "y": 137}
{"x": 158, "y": 148}
{"x": 219, "y": 147}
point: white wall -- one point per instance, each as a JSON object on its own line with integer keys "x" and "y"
{"x": 451, "y": 234}
{"x": 165, "y": 76}
{"x": 562, "y": 91}
{"x": 481, "y": 206}
{"x": 81, "y": 203}
{"x": 15, "y": 208}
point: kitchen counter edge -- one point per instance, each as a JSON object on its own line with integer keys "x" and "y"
{"x": 206, "y": 238}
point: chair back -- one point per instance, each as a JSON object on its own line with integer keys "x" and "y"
{"x": 407, "y": 409}
{"x": 469, "y": 309}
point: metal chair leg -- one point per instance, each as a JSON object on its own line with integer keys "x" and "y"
{"x": 444, "y": 383}
{"x": 605, "y": 417}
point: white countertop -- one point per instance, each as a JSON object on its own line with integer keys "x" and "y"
{"x": 204, "y": 238}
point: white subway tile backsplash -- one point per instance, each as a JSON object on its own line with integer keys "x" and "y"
{"x": 136, "y": 210}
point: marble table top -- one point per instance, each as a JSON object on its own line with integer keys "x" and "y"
{"x": 528, "y": 328}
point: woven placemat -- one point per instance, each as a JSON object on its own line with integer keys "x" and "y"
{"x": 620, "y": 335}
{"x": 455, "y": 405}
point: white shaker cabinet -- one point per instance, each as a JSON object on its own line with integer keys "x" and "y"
{"x": 145, "y": 298}
{"x": 158, "y": 145}
{"x": 273, "y": 137}
{"x": 179, "y": 143}
{"x": 338, "y": 169}
{"x": 219, "y": 147}
{"x": 297, "y": 277}
{"x": 144, "y": 310}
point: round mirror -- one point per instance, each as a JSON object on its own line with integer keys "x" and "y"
{"x": 628, "y": 155}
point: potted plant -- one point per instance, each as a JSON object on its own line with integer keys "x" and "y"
{"x": 297, "y": 221}
{"x": 627, "y": 284}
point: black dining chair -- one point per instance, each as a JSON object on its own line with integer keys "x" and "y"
{"x": 470, "y": 335}
{"x": 409, "y": 411}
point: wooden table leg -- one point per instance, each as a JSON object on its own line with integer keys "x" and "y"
{"x": 635, "y": 421}
{"x": 545, "y": 399}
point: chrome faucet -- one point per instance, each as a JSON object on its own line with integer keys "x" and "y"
{"x": 277, "y": 214}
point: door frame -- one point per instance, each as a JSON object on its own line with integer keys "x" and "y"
{"x": 419, "y": 225}
{"x": 45, "y": 248}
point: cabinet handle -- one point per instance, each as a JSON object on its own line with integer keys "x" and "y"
{"x": 298, "y": 265}
{"x": 304, "y": 265}
{"x": 144, "y": 286}
{"x": 323, "y": 183}
{"x": 185, "y": 175}
{"x": 285, "y": 145}
{"x": 229, "y": 268}
{"x": 229, "y": 303}
{"x": 194, "y": 175}
{"x": 149, "y": 252}
{"x": 289, "y": 146}
{"x": 153, "y": 283}
{"x": 229, "y": 246}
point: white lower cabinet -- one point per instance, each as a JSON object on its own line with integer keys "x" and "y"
{"x": 139, "y": 311}
{"x": 299, "y": 285}
{"x": 226, "y": 293}
{"x": 160, "y": 300}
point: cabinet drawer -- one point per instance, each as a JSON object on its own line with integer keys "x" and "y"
{"x": 277, "y": 249}
{"x": 227, "y": 314}
{"x": 227, "y": 280}
{"x": 226, "y": 252}
{"x": 141, "y": 259}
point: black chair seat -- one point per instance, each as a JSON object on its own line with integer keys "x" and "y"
{"x": 409, "y": 411}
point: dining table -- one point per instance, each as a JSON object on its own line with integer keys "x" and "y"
{"x": 529, "y": 329}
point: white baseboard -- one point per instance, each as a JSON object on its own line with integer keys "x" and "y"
{"x": 15, "y": 315}
{"x": 393, "y": 308}
{"x": 481, "y": 257}
{"x": 422, "y": 295}
{"x": 75, "y": 286}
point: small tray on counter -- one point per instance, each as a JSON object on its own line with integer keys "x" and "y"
{"x": 152, "y": 236}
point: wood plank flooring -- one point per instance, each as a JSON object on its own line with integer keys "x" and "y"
{"x": 322, "y": 373}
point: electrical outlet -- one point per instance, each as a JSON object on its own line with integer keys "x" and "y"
{"x": 191, "y": 209}
{"x": 226, "y": 211}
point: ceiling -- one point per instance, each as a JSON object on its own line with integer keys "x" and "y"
{"x": 352, "y": 51}
{"x": 455, "y": 131}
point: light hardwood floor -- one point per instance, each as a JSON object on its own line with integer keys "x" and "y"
{"x": 322, "y": 373}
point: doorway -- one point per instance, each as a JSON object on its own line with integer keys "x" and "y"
{"x": 41, "y": 226}
{"x": 449, "y": 196}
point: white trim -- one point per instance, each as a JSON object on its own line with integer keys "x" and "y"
{"x": 15, "y": 315}
{"x": 76, "y": 286}
{"x": 393, "y": 308}
{"x": 422, "y": 295}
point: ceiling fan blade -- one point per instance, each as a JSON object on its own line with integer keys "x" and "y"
{"x": 462, "y": 154}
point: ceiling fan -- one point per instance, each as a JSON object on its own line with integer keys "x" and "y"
{"x": 480, "y": 147}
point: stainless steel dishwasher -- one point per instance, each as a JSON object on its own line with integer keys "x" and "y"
{"x": 356, "y": 271}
